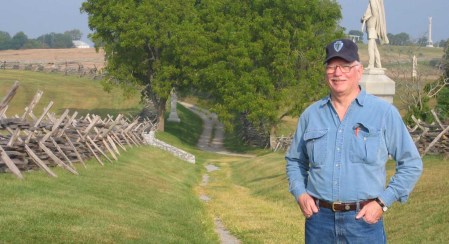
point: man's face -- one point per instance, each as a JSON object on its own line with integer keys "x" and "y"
{"x": 343, "y": 77}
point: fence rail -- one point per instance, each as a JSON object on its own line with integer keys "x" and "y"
{"x": 66, "y": 68}
{"x": 32, "y": 141}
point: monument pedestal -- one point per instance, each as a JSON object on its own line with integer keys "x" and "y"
{"x": 173, "y": 117}
{"x": 375, "y": 82}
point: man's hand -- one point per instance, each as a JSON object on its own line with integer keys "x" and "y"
{"x": 371, "y": 212}
{"x": 307, "y": 205}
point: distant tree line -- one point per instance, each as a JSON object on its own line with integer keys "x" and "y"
{"x": 50, "y": 40}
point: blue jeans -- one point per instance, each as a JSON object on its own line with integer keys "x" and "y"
{"x": 327, "y": 226}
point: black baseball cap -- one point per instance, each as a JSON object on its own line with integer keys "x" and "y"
{"x": 342, "y": 48}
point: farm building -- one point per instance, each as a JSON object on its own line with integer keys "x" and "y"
{"x": 80, "y": 44}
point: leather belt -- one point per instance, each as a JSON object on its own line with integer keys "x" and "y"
{"x": 341, "y": 206}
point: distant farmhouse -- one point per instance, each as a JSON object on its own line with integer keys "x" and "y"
{"x": 80, "y": 44}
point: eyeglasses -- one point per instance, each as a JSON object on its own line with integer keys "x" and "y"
{"x": 344, "y": 68}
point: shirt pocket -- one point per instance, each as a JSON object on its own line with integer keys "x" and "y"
{"x": 364, "y": 144}
{"x": 316, "y": 144}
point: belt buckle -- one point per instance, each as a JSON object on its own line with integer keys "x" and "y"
{"x": 333, "y": 206}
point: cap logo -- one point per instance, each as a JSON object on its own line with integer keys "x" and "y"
{"x": 338, "y": 45}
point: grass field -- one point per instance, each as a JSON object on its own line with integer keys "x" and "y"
{"x": 149, "y": 196}
{"x": 262, "y": 210}
{"x": 146, "y": 197}
{"x": 67, "y": 92}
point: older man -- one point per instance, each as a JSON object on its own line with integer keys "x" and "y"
{"x": 336, "y": 162}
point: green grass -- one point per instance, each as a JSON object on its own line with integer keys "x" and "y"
{"x": 67, "y": 92}
{"x": 393, "y": 54}
{"x": 145, "y": 197}
{"x": 149, "y": 196}
{"x": 251, "y": 197}
{"x": 188, "y": 131}
{"x": 258, "y": 190}
{"x": 425, "y": 217}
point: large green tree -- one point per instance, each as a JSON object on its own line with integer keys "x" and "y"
{"x": 5, "y": 40}
{"x": 261, "y": 59}
{"x": 146, "y": 43}
{"x": 266, "y": 57}
{"x": 74, "y": 34}
{"x": 19, "y": 40}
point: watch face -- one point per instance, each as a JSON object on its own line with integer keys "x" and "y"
{"x": 384, "y": 209}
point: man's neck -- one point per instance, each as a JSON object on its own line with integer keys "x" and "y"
{"x": 342, "y": 103}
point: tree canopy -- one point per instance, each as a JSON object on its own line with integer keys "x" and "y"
{"x": 261, "y": 59}
{"x": 401, "y": 39}
{"x": 266, "y": 57}
{"x": 145, "y": 43}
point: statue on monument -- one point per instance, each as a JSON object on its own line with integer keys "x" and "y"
{"x": 374, "y": 79}
{"x": 374, "y": 21}
{"x": 173, "y": 117}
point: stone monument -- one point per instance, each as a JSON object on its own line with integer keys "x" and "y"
{"x": 429, "y": 39}
{"x": 376, "y": 82}
{"x": 173, "y": 117}
{"x": 414, "y": 66}
{"x": 374, "y": 79}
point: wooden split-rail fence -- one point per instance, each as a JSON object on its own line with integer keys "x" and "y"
{"x": 429, "y": 138}
{"x": 43, "y": 141}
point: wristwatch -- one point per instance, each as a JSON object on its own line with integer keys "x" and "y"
{"x": 382, "y": 205}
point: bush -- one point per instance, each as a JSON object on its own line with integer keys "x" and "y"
{"x": 443, "y": 103}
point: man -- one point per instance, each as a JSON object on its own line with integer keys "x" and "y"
{"x": 374, "y": 19}
{"x": 336, "y": 162}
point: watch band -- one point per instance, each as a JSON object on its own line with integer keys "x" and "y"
{"x": 382, "y": 205}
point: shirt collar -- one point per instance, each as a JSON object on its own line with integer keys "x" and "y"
{"x": 360, "y": 98}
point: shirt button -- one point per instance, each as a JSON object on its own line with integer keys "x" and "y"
{"x": 338, "y": 149}
{"x": 340, "y": 131}
{"x": 337, "y": 165}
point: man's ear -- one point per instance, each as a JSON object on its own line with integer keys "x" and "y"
{"x": 360, "y": 69}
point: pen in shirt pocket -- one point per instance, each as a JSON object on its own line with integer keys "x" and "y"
{"x": 356, "y": 129}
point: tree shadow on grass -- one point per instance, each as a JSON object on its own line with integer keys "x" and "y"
{"x": 189, "y": 129}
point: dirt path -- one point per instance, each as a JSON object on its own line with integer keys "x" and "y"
{"x": 211, "y": 140}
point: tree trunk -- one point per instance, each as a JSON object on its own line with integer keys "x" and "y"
{"x": 161, "y": 114}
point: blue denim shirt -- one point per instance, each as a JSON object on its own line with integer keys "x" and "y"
{"x": 345, "y": 161}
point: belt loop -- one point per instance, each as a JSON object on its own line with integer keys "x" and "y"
{"x": 357, "y": 208}
{"x": 317, "y": 203}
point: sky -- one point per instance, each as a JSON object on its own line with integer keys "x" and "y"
{"x": 39, "y": 17}
{"x": 409, "y": 16}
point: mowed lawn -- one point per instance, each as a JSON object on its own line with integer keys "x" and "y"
{"x": 67, "y": 92}
{"x": 145, "y": 197}
{"x": 262, "y": 210}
